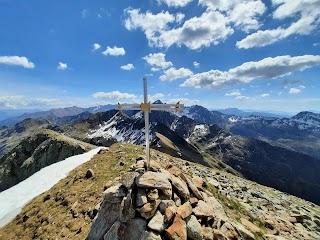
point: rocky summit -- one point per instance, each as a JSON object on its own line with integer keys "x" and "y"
{"x": 182, "y": 200}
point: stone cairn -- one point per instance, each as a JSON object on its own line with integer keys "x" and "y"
{"x": 161, "y": 204}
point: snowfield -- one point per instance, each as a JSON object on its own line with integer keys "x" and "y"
{"x": 15, "y": 198}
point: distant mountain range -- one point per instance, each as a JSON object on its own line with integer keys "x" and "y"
{"x": 247, "y": 113}
{"x": 57, "y": 115}
{"x": 267, "y": 150}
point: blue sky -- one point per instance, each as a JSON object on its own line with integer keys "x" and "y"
{"x": 250, "y": 54}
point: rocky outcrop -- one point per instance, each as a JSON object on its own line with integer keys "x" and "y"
{"x": 161, "y": 204}
{"x": 36, "y": 152}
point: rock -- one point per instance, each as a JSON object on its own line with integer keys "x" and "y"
{"x": 174, "y": 171}
{"x": 166, "y": 194}
{"x": 127, "y": 210}
{"x": 153, "y": 180}
{"x": 273, "y": 237}
{"x": 107, "y": 216}
{"x": 141, "y": 164}
{"x": 203, "y": 210}
{"x": 153, "y": 195}
{"x": 228, "y": 230}
{"x": 141, "y": 197}
{"x": 217, "y": 208}
{"x": 149, "y": 209}
{"x": 243, "y": 232}
{"x": 150, "y": 235}
{"x": 207, "y": 233}
{"x": 214, "y": 183}
{"x": 193, "y": 201}
{"x": 185, "y": 210}
{"x": 114, "y": 194}
{"x": 128, "y": 178}
{"x": 169, "y": 214}
{"x": 193, "y": 228}
{"x": 292, "y": 220}
{"x": 218, "y": 235}
{"x": 181, "y": 187}
{"x": 178, "y": 229}
{"x": 166, "y": 204}
{"x": 157, "y": 222}
{"x": 193, "y": 187}
{"x": 250, "y": 225}
{"x": 112, "y": 233}
{"x": 108, "y": 185}
{"x": 89, "y": 173}
{"x": 176, "y": 200}
{"x": 135, "y": 229}
{"x": 198, "y": 182}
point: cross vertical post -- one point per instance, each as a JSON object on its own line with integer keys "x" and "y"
{"x": 146, "y": 121}
{"x": 146, "y": 108}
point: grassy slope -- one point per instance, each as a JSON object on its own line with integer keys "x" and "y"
{"x": 50, "y": 215}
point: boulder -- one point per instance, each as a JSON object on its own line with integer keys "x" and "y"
{"x": 207, "y": 233}
{"x": 157, "y": 222}
{"x": 185, "y": 210}
{"x": 193, "y": 187}
{"x": 89, "y": 173}
{"x": 203, "y": 210}
{"x": 141, "y": 197}
{"x": 180, "y": 186}
{"x": 153, "y": 195}
{"x": 153, "y": 180}
{"x": 128, "y": 178}
{"x": 149, "y": 209}
{"x": 194, "y": 230}
{"x": 114, "y": 194}
{"x": 150, "y": 235}
{"x": 178, "y": 229}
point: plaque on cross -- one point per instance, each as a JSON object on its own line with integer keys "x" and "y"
{"x": 146, "y": 108}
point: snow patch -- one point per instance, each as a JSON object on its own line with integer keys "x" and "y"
{"x": 15, "y": 198}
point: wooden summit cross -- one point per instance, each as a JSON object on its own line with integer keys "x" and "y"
{"x": 146, "y": 107}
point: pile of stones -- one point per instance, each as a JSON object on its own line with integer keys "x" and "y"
{"x": 162, "y": 203}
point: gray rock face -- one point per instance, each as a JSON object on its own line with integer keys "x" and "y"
{"x": 193, "y": 228}
{"x": 107, "y": 216}
{"x": 153, "y": 180}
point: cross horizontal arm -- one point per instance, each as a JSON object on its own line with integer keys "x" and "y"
{"x": 157, "y": 107}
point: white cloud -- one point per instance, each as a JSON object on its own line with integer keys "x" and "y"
{"x": 175, "y": 3}
{"x": 294, "y": 90}
{"x": 308, "y": 21}
{"x": 233, "y": 93}
{"x": 179, "y": 17}
{"x": 173, "y": 74}
{"x": 23, "y": 102}
{"x": 96, "y": 46}
{"x": 213, "y": 26}
{"x": 157, "y": 60}
{"x": 266, "y": 68}
{"x": 196, "y": 64}
{"x": 265, "y": 95}
{"x": 242, "y": 98}
{"x": 16, "y": 61}
{"x": 115, "y": 51}
{"x": 153, "y": 69}
{"x": 156, "y": 97}
{"x": 62, "y": 66}
{"x": 127, "y": 67}
{"x": 114, "y": 95}
{"x": 84, "y": 13}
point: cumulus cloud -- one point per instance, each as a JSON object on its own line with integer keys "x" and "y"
{"x": 265, "y": 95}
{"x": 114, "y": 95}
{"x": 196, "y": 64}
{"x": 23, "y": 102}
{"x": 128, "y": 67}
{"x": 175, "y": 3}
{"x": 266, "y": 68}
{"x": 154, "y": 69}
{"x": 242, "y": 98}
{"x": 308, "y": 21}
{"x": 157, "y": 60}
{"x": 213, "y": 26}
{"x": 234, "y": 93}
{"x": 294, "y": 90}
{"x": 173, "y": 74}
{"x": 114, "y": 51}
{"x": 96, "y": 46}
{"x": 62, "y": 66}
{"x": 84, "y": 13}
{"x": 156, "y": 97}
{"x": 16, "y": 61}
